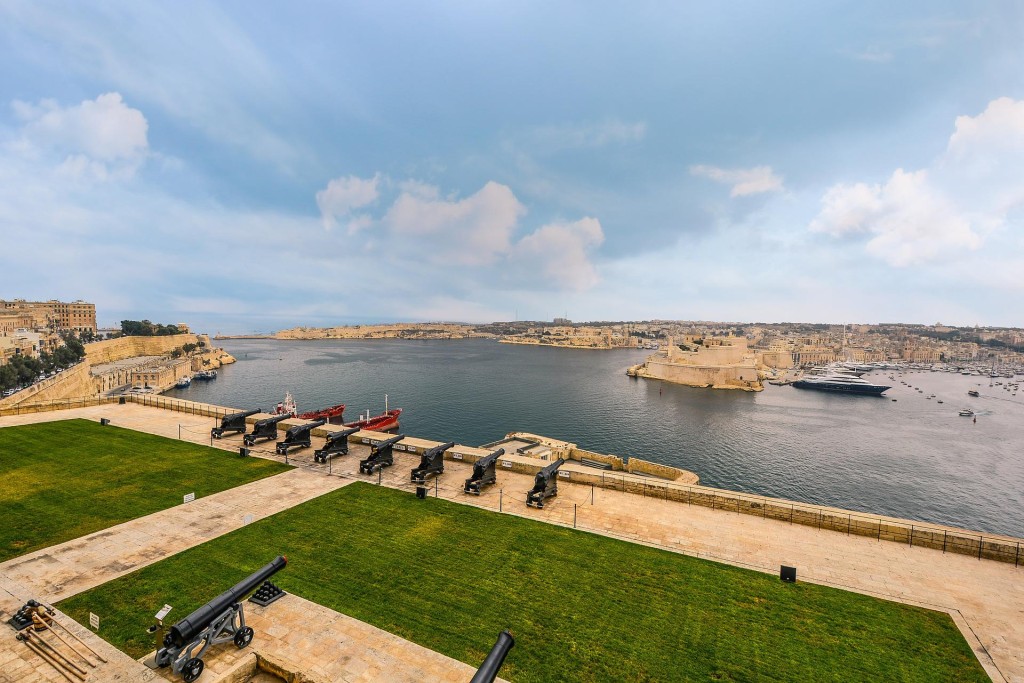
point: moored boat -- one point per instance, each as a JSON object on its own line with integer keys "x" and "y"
{"x": 184, "y": 382}
{"x": 386, "y": 421}
{"x": 287, "y": 407}
{"x": 332, "y": 414}
{"x": 841, "y": 384}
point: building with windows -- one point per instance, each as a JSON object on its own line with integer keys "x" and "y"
{"x": 58, "y": 315}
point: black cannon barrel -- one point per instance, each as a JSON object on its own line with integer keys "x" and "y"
{"x": 432, "y": 452}
{"x": 242, "y": 415}
{"x": 273, "y": 420}
{"x": 550, "y": 470}
{"x": 299, "y": 429}
{"x": 343, "y": 434}
{"x": 188, "y": 628}
{"x": 488, "y": 671}
{"x": 390, "y": 442}
{"x": 485, "y": 462}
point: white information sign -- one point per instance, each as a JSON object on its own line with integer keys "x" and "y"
{"x": 163, "y": 612}
{"x": 506, "y": 463}
{"x": 94, "y": 621}
{"x": 189, "y": 497}
{"x": 456, "y": 456}
{"x": 563, "y": 475}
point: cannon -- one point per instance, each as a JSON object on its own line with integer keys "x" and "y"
{"x": 545, "y": 485}
{"x": 219, "y": 621}
{"x": 488, "y": 671}
{"x": 431, "y": 462}
{"x": 298, "y": 436}
{"x": 235, "y": 422}
{"x": 264, "y": 429}
{"x": 484, "y": 472}
{"x": 381, "y": 456}
{"x": 336, "y": 444}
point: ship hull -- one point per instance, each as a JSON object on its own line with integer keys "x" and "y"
{"x": 379, "y": 423}
{"x": 840, "y": 388}
{"x": 333, "y": 415}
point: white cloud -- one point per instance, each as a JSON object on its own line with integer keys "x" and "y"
{"x": 98, "y": 138}
{"x": 341, "y": 195}
{"x": 909, "y": 221}
{"x": 470, "y": 231}
{"x": 561, "y": 251}
{"x": 744, "y": 181}
{"x": 916, "y": 217}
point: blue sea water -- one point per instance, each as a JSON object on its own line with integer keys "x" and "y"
{"x": 912, "y": 458}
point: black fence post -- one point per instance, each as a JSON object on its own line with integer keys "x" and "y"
{"x": 435, "y": 486}
{"x": 944, "y": 541}
{"x": 911, "y": 535}
{"x": 981, "y": 544}
{"x": 591, "y": 494}
{"x": 501, "y": 494}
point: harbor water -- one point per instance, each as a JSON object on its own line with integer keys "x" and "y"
{"x": 913, "y": 457}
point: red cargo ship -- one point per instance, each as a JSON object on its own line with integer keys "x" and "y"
{"x": 384, "y": 422}
{"x": 332, "y": 414}
{"x": 287, "y": 407}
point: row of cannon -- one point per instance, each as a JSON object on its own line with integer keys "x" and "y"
{"x": 382, "y": 454}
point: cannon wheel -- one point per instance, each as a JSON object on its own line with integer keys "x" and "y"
{"x": 192, "y": 669}
{"x": 243, "y": 637}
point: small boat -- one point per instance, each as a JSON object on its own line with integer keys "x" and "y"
{"x": 205, "y": 375}
{"x": 184, "y": 382}
{"x": 966, "y": 412}
{"x": 973, "y": 392}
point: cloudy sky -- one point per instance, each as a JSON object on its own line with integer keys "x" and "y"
{"x": 253, "y": 166}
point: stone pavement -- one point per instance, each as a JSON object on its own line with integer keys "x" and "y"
{"x": 985, "y": 598}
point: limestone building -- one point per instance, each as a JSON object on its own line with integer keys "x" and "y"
{"x": 76, "y": 315}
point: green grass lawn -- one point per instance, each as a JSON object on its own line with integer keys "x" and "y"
{"x": 61, "y": 480}
{"x": 582, "y": 607}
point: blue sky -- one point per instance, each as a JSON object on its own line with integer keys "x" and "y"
{"x": 252, "y": 166}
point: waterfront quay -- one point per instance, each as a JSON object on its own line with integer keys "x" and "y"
{"x": 982, "y": 594}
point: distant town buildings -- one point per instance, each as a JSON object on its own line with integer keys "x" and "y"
{"x": 77, "y": 316}
{"x": 32, "y": 328}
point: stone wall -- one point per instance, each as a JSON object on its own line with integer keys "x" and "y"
{"x": 724, "y": 377}
{"x": 74, "y": 382}
{"x": 663, "y": 471}
{"x": 111, "y": 350}
{"x": 613, "y": 460}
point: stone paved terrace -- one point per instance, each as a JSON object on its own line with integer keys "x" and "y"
{"x": 985, "y": 598}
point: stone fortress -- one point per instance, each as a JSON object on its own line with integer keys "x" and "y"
{"x": 714, "y": 362}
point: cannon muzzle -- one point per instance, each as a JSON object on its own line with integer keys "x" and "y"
{"x": 488, "y": 671}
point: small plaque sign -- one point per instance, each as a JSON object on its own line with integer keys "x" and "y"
{"x": 189, "y": 497}
{"x": 399, "y": 447}
{"x": 94, "y": 621}
{"x": 247, "y": 519}
{"x": 365, "y": 440}
{"x": 163, "y": 612}
{"x": 456, "y": 456}
{"x": 506, "y": 463}
{"x": 563, "y": 474}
